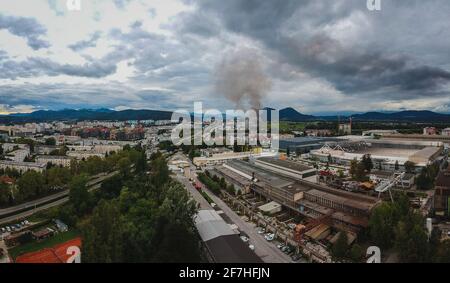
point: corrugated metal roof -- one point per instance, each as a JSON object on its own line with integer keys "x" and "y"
{"x": 210, "y": 225}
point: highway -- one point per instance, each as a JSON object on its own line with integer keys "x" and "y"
{"x": 29, "y": 208}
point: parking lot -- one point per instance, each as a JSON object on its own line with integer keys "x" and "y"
{"x": 17, "y": 227}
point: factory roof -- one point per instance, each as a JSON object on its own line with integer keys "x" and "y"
{"x": 223, "y": 244}
{"x": 243, "y": 181}
{"x": 424, "y": 155}
{"x": 296, "y": 166}
{"x": 347, "y": 200}
{"x": 210, "y": 225}
{"x": 231, "y": 249}
{"x": 266, "y": 176}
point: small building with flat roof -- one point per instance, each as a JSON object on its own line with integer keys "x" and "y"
{"x": 271, "y": 208}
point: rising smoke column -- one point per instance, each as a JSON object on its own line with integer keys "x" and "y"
{"x": 241, "y": 79}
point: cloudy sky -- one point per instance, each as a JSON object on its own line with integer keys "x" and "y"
{"x": 316, "y": 56}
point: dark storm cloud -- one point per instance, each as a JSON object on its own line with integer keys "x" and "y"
{"x": 296, "y": 31}
{"x": 39, "y": 66}
{"x": 195, "y": 23}
{"x": 157, "y": 58}
{"x": 83, "y": 44}
{"x": 28, "y": 28}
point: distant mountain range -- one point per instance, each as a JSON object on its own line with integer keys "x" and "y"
{"x": 86, "y": 114}
{"x": 290, "y": 114}
{"x": 286, "y": 114}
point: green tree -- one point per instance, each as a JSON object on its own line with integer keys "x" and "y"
{"x": 124, "y": 166}
{"x": 356, "y": 253}
{"x": 79, "y": 196}
{"x": 57, "y": 177}
{"x": 31, "y": 184}
{"x": 367, "y": 162}
{"x": 50, "y": 141}
{"x": 103, "y": 234}
{"x": 160, "y": 171}
{"x": 340, "y": 248}
{"x": 4, "y": 194}
{"x": 411, "y": 241}
{"x": 409, "y": 166}
{"x": 381, "y": 225}
{"x": 360, "y": 173}
{"x": 141, "y": 162}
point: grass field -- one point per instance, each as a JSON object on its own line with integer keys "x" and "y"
{"x": 47, "y": 243}
{"x": 286, "y": 127}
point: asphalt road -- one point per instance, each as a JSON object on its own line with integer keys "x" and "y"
{"x": 193, "y": 192}
{"x": 33, "y": 209}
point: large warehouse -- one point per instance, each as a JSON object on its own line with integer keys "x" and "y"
{"x": 384, "y": 153}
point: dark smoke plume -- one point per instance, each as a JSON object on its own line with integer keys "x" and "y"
{"x": 241, "y": 79}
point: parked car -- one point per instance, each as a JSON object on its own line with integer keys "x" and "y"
{"x": 8, "y": 228}
{"x": 26, "y": 222}
{"x": 286, "y": 249}
{"x": 252, "y": 247}
{"x": 244, "y": 239}
{"x": 261, "y": 230}
{"x": 269, "y": 237}
{"x": 280, "y": 245}
{"x": 296, "y": 257}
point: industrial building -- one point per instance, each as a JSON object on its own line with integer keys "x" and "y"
{"x": 220, "y": 242}
{"x": 287, "y": 168}
{"x": 347, "y": 211}
{"x": 442, "y": 194}
{"x": 302, "y": 145}
{"x": 385, "y": 154}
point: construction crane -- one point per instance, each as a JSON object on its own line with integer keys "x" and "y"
{"x": 301, "y": 229}
{"x": 386, "y": 185}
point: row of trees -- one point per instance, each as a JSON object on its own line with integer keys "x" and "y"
{"x": 396, "y": 226}
{"x": 215, "y": 184}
